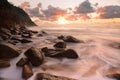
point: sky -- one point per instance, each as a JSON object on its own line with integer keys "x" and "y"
{"x": 64, "y": 3}
{"x": 70, "y": 10}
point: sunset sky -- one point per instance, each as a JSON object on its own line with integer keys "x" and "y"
{"x": 72, "y": 10}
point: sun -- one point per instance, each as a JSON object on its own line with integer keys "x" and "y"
{"x": 62, "y": 20}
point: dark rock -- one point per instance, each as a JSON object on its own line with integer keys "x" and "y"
{"x": 27, "y": 71}
{"x": 72, "y": 39}
{"x": 8, "y": 50}
{"x": 14, "y": 42}
{"x": 22, "y": 62}
{"x": 67, "y": 53}
{"x": 60, "y": 45}
{"x": 27, "y": 35}
{"x": 115, "y": 76}
{"x": 39, "y": 35}
{"x": 4, "y": 36}
{"x": 35, "y": 32}
{"x": 46, "y": 76}
{"x": 25, "y": 41}
{"x": 61, "y": 37}
{"x": 5, "y": 31}
{"x": 43, "y": 32}
{"x": 4, "y": 63}
{"x": 115, "y": 45}
{"x": 59, "y": 53}
{"x": 35, "y": 56}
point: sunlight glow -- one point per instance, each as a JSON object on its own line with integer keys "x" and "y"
{"x": 62, "y": 20}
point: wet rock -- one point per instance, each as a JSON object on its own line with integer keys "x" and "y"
{"x": 46, "y": 76}
{"x": 70, "y": 39}
{"x": 27, "y": 71}
{"x": 39, "y": 35}
{"x": 115, "y": 45}
{"x": 4, "y": 63}
{"x": 115, "y": 76}
{"x": 5, "y": 31}
{"x": 14, "y": 42}
{"x": 67, "y": 53}
{"x": 8, "y": 50}
{"x": 27, "y": 35}
{"x": 35, "y": 56}
{"x": 60, "y": 45}
{"x": 60, "y": 53}
{"x": 22, "y": 62}
{"x": 25, "y": 41}
{"x": 35, "y": 32}
{"x": 4, "y": 36}
{"x": 61, "y": 37}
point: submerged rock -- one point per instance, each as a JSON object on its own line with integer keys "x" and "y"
{"x": 22, "y": 62}
{"x": 27, "y": 71}
{"x": 70, "y": 39}
{"x": 35, "y": 56}
{"x": 60, "y": 45}
{"x": 4, "y": 63}
{"x": 8, "y": 50}
{"x": 46, "y": 76}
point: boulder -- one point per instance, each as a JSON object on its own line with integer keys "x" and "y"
{"x": 71, "y": 39}
{"x": 26, "y": 35}
{"x": 60, "y": 45}
{"x": 35, "y": 56}
{"x": 25, "y": 41}
{"x": 4, "y": 63}
{"x": 8, "y": 50}
{"x": 46, "y": 76}
{"x": 22, "y": 62}
{"x": 27, "y": 71}
{"x": 59, "y": 53}
{"x": 115, "y": 76}
{"x": 70, "y": 53}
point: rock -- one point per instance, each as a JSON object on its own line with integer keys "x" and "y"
{"x": 67, "y": 53}
{"x": 25, "y": 41}
{"x": 71, "y": 39}
{"x": 115, "y": 45}
{"x": 27, "y": 71}
{"x": 22, "y": 62}
{"x": 35, "y": 56}
{"x": 4, "y": 63}
{"x": 4, "y": 36}
{"x": 5, "y": 31}
{"x": 8, "y": 50}
{"x": 14, "y": 42}
{"x": 60, "y": 45}
{"x": 115, "y": 76}
{"x": 43, "y": 32}
{"x": 61, "y": 37}
{"x": 35, "y": 32}
{"x": 46, "y": 76}
{"x": 28, "y": 35}
{"x": 39, "y": 35}
{"x": 59, "y": 53}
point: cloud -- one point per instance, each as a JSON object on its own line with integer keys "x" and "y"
{"x": 109, "y": 12}
{"x": 53, "y": 12}
{"x": 25, "y": 6}
{"x": 85, "y": 7}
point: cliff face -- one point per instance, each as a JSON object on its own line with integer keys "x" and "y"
{"x": 11, "y": 15}
{"x": 13, "y": 21}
